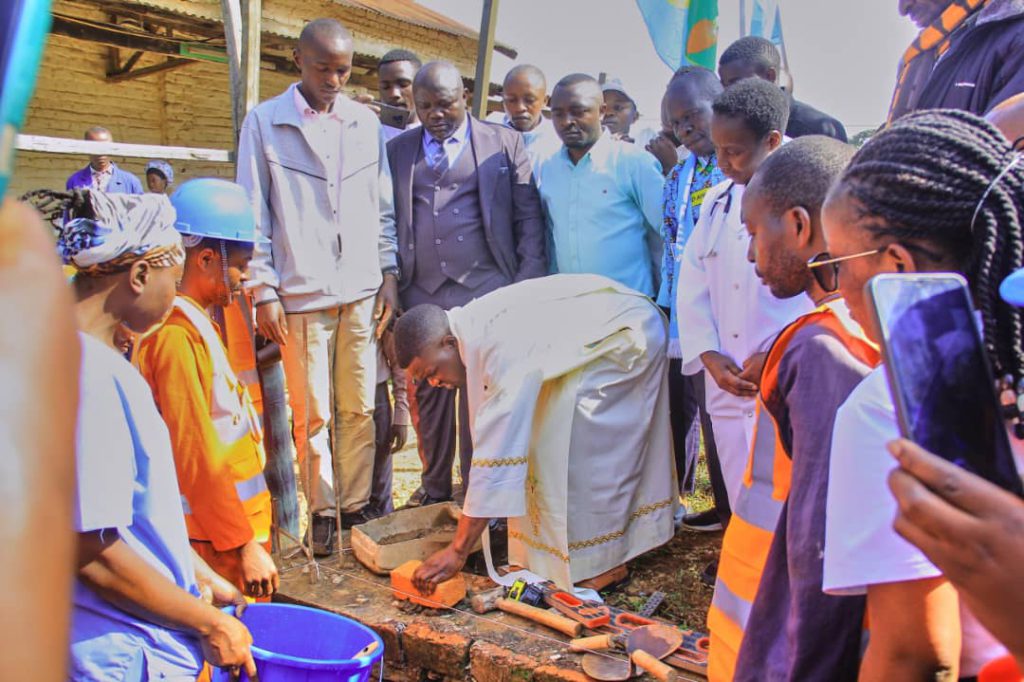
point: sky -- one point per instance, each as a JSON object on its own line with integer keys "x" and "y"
{"x": 842, "y": 53}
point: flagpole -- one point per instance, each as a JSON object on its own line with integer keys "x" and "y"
{"x": 743, "y": 18}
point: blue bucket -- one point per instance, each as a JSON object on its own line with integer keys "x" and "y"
{"x": 300, "y": 644}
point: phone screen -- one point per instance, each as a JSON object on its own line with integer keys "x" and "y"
{"x": 396, "y": 117}
{"x": 939, "y": 374}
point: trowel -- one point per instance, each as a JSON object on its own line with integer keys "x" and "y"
{"x": 646, "y": 647}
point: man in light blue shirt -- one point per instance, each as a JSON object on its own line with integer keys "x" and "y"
{"x": 602, "y": 197}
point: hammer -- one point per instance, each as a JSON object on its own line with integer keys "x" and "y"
{"x": 484, "y": 602}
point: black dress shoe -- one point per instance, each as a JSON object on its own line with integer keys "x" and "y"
{"x": 349, "y": 519}
{"x": 323, "y": 532}
{"x": 416, "y": 499}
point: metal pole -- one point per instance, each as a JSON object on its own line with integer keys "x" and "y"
{"x": 485, "y": 50}
{"x": 743, "y": 18}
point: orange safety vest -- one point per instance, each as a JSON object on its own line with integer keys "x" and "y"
{"x": 238, "y": 338}
{"x": 765, "y": 489}
{"x": 215, "y": 430}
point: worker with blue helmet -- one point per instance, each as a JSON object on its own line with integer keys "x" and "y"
{"x": 216, "y": 434}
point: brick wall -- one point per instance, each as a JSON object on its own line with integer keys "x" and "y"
{"x": 187, "y": 107}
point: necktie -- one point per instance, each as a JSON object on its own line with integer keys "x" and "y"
{"x": 438, "y": 158}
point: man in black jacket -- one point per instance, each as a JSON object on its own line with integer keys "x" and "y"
{"x": 969, "y": 55}
{"x": 752, "y": 56}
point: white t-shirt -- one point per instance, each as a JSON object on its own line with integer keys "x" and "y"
{"x": 861, "y": 547}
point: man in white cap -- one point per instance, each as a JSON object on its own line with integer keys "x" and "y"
{"x": 620, "y": 110}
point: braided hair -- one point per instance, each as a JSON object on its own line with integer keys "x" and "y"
{"x": 920, "y": 182}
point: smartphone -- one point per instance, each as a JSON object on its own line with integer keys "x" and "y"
{"x": 393, "y": 116}
{"x": 23, "y": 28}
{"x": 939, "y": 374}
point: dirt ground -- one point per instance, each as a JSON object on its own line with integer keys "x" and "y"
{"x": 674, "y": 568}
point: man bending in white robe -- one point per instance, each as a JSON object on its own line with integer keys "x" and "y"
{"x": 568, "y": 399}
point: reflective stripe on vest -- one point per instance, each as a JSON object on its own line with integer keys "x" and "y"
{"x": 251, "y": 487}
{"x": 237, "y": 426}
{"x": 757, "y": 504}
{"x": 239, "y": 340}
{"x": 233, "y": 415}
{"x": 764, "y": 491}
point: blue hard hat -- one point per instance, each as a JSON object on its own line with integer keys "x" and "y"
{"x": 1012, "y": 289}
{"x": 216, "y": 208}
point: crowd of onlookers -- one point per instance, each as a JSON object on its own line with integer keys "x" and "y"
{"x": 847, "y": 553}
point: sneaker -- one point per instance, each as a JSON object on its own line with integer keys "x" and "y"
{"x": 703, "y": 522}
{"x": 323, "y": 533}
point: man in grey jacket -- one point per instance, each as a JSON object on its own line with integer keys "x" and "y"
{"x": 315, "y": 165}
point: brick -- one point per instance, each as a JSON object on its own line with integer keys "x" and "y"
{"x": 448, "y": 593}
{"x": 553, "y": 673}
{"x": 391, "y": 633}
{"x": 492, "y": 663}
{"x": 439, "y": 652}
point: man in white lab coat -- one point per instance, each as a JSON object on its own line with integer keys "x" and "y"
{"x": 568, "y": 401}
{"x": 727, "y": 317}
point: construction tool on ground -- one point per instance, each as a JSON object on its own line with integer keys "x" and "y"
{"x": 484, "y": 602}
{"x": 646, "y": 647}
{"x": 652, "y": 604}
{"x": 658, "y": 639}
{"x": 599, "y": 618}
{"x": 607, "y": 668}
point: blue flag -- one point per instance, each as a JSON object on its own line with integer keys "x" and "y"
{"x": 766, "y": 21}
{"x": 683, "y": 31}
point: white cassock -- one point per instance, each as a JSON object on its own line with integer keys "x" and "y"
{"x": 722, "y": 306}
{"x": 566, "y": 378}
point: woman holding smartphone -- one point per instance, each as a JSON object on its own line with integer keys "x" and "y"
{"x": 938, "y": 191}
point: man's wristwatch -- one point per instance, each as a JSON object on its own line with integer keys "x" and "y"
{"x": 393, "y": 270}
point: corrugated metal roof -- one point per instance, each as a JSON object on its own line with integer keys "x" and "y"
{"x": 412, "y": 12}
{"x": 407, "y": 11}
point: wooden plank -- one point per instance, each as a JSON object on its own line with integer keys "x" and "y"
{"x": 231, "y": 13}
{"x": 252, "y": 27}
{"x": 171, "y": 63}
{"x": 63, "y": 145}
{"x": 485, "y": 50}
{"x": 152, "y": 43}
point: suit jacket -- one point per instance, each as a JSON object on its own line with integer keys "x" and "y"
{"x": 510, "y": 205}
{"x": 121, "y": 181}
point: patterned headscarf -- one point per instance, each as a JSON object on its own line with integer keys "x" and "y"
{"x": 127, "y": 228}
{"x": 163, "y": 168}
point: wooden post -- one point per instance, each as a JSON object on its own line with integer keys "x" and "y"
{"x": 485, "y": 50}
{"x": 231, "y": 11}
{"x": 242, "y": 35}
{"x": 252, "y": 27}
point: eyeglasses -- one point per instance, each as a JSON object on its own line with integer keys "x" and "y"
{"x": 825, "y": 268}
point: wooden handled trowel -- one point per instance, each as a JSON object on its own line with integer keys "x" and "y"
{"x": 646, "y": 647}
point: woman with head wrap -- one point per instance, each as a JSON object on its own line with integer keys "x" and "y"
{"x": 159, "y": 176}
{"x": 138, "y": 612}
